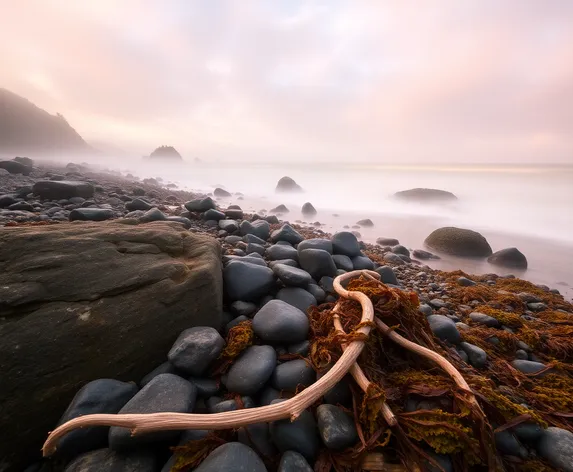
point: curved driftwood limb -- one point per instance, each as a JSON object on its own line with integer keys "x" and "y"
{"x": 359, "y": 376}
{"x": 145, "y": 423}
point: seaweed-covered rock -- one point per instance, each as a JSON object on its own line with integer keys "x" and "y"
{"x": 459, "y": 242}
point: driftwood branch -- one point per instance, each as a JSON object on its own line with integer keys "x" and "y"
{"x": 145, "y": 423}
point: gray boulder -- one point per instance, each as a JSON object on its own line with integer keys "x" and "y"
{"x": 459, "y": 242}
{"x": 345, "y": 243}
{"x": 195, "y": 349}
{"x": 444, "y": 328}
{"x": 289, "y": 375}
{"x": 259, "y": 228}
{"x": 279, "y": 322}
{"x": 387, "y": 241}
{"x": 138, "y": 204}
{"x": 556, "y": 446}
{"x": 15, "y": 167}
{"x": 63, "y": 189}
{"x": 362, "y": 262}
{"x": 317, "y": 263}
{"x": 510, "y": 257}
{"x": 316, "y": 243}
{"x": 424, "y": 255}
{"x": 297, "y": 297}
{"x": 232, "y": 457}
{"x": 425, "y": 195}
{"x": 484, "y": 319}
{"x": 308, "y": 209}
{"x": 201, "y": 204}
{"x": 124, "y": 292}
{"x": 387, "y": 275}
{"x": 251, "y": 370}
{"x": 292, "y": 276}
{"x": 343, "y": 262}
{"x": 286, "y": 184}
{"x": 476, "y": 355}
{"x": 276, "y": 252}
{"x": 286, "y": 233}
{"x": 528, "y": 367}
{"x": 246, "y": 281}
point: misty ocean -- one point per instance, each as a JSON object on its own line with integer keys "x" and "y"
{"x": 528, "y": 207}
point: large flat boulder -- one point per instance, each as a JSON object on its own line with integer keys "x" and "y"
{"x": 82, "y": 301}
{"x": 62, "y": 189}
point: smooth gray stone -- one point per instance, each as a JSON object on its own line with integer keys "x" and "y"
{"x": 91, "y": 214}
{"x": 288, "y": 375}
{"x": 393, "y": 258}
{"x": 301, "y": 348}
{"x": 438, "y": 303}
{"x": 316, "y": 292}
{"x": 165, "y": 393}
{"x": 279, "y": 322}
{"x": 247, "y": 281}
{"x": 99, "y": 396}
{"x": 444, "y": 328}
{"x": 317, "y": 263}
{"x": 232, "y": 457}
{"x": 476, "y": 355}
{"x": 256, "y": 248}
{"x": 292, "y": 276}
{"x": 508, "y": 444}
{"x": 528, "y": 367}
{"x": 165, "y": 368}
{"x": 233, "y": 239}
{"x": 104, "y": 460}
{"x": 252, "y": 238}
{"x": 259, "y": 228}
{"x": 465, "y": 282}
{"x": 267, "y": 395}
{"x": 280, "y": 251}
{"x": 195, "y": 349}
{"x": 556, "y": 446}
{"x": 258, "y": 437}
{"x": 251, "y": 259}
{"x": 138, "y": 204}
{"x": 342, "y": 262}
{"x": 484, "y": 319}
{"x": 521, "y": 355}
{"x": 152, "y": 215}
{"x": 399, "y": 249}
{"x": 201, "y": 205}
{"x": 317, "y": 243}
{"x": 205, "y": 387}
{"x": 387, "y": 275}
{"x": 336, "y": 428}
{"x": 528, "y": 433}
{"x": 230, "y": 226}
{"x": 292, "y": 461}
{"x": 300, "y": 435}
{"x": 362, "y": 263}
{"x": 230, "y": 405}
{"x": 241, "y": 308}
{"x": 327, "y": 284}
{"x": 186, "y": 222}
{"x": 426, "y": 309}
{"x": 213, "y": 214}
{"x": 287, "y": 262}
{"x": 297, "y": 297}
{"x": 345, "y": 243}
{"x": 251, "y": 370}
{"x": 286, "y": 233}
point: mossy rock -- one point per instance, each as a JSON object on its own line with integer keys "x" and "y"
{"x": 459, "y": 242}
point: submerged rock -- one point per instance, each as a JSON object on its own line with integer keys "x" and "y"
{"x": 425, "y": 195}
{"x": 510, "y": 257}
{"x": 286, "y": 184}
{"x": 308, "y": 209}
{"x": 459, "y": 242}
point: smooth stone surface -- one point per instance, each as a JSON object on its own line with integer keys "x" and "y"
{"x": 484, "y": 319}
{"x": 251, "y": 259}
{"x": 259, "y": 228}
{"x": 424, "y": 255}
{"x": 241, "y": 308}
{"x": 213, "y": 214}
{"x": 279, "y": 322}
{"x": 186, "y": 222}
{"x": 165, "y": 393}
{"x": 278, "y": 251}
{"x": 152, "y": 215}
{"x": 195, "y": 349}
{"x": 476, "y": 355}
{"x": 393, "y": 258}
{"x": 165, "y": 368}
{"x": 387, "y": 275}
{"x": 340, "y": 393}
{"x": 327, "y": 284}
{"x": 252, "y": 238}
{"x": 508, "y": 444}
{"x": 256, "y": 248}
{"x": 292, "y": 461}
{"x": 106, "y": 460}
{"x": 300, "y": 435}
{"x": 345, "y": 243}
{"x": 317, "y": 262}
{"x": 246, "y": 281}
{"x": 288, "y": 375}
{"x": 232, "y": 457}
{"x": 308, "y": 209}
{"x": 399, "y": 249}
{"x": 297, "y": 297}
{"x": 258, "y": 437}
{"x": 426, "y": 309}
{"x": 465, "y": 282}
{"x": 556, "y": 446}
{"x": 528, "y": 367}
{"x": 521, "y": 354}
{"x": 63, "y": 189}
{"x": 91, "y": 214}
{"x": 205, "y": 387}
{"x": 362, "y": 263}
{"x": 510, "y": 257}
{"x": 444, "y": 328}
{"x": 317, "y": 292}
{"x": 528, "y": 433}
{"x": 230, "y": 226}
{"x": 459, "y": 242}
{"x": 336, "y": 428}
{"x": 286, "y": 233}
{"x": 343, "y": 262}
{"x": 98, "y": 396}
{"x": 387, "y": 241}
{"x": 201, "y": 205}
{"x": 251, "y": 370}
{"x": 292, "y": 276}
{"x": 302, "y": 348}
{"x": 268, "y": 395}
{"x": 316, "y": 243}
{"x": 138, "y": 204}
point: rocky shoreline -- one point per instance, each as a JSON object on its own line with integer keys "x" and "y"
{"x": 269, "y": 274}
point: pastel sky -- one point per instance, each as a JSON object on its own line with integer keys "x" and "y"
{"x": 389, "y": 81}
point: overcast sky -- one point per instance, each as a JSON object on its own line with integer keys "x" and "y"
{"x": 381, "y": 80}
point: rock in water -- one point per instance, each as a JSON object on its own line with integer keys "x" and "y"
{"x": 63, "y": 189}
{"x": 259, "y": 228}
{"x": 345, "y": 243}
{"x": 165, "y": 393}
{"x": 98, "y": 396}
{"x": 286, "y": 184}
{"x": 15, "y": 167}
{"x": 336, "y": 428}
{"x": 279, "y": 322}
{"x": 232, "y": 457}
{"x": 246, "y": 281}
{"x": 202, "y": 204}
{"x": 425, "y": 195}
{"x": 108, "y": 460}
{"x": 124, "y": 292}
{"x": 556, "y": 446}
{"x": 424, "y": 255}
{"x": 220, "y": 192}
{"x": 293, "y": 462}
{"x": 510, "y": 257}
{"x": 308, "y": 209}
{"x": 195, "y": 349}
{"x": 286, "y": 233}
{"x": 366, "y": 223}
{"x": 165, "y": 152}
{"x": 387, "y": 241}
{"x": 459, "y": 242}
{"x": 251, "y": 370}
{"x": 280, "y": 209}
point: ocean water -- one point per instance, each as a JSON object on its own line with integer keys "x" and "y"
{"x": 528, "y": 207}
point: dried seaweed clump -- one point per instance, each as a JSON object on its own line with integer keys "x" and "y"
{"x": 239, "y": 338}
{"x": 191, "y": 454}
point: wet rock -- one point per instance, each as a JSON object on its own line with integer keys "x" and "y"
{"x": 476, "y": 355}
{"x": 231, "y": 457}
{"x": 281, "y": 251}
{"x": 251, "y": 370}
{"x": 308, "y": 209}
{"x": 186, "y": 222}
{"x": 297, "y": 297}
{"x": 91, "y": 214}
{"x": 336, "y": 428}
{"x": 98, "y": 396}
{"x": 165, "y": 393}
{"x": 362, "y": 262}
{"x": 201, "y": 205}
{"x": 138, "y": 204}
{"x": 484, "y": 319}
{"x": 288, "y": 375}
{"x": 218, "y": 406}
{"x": 366, "y": 223}
{"x": 399, "y": 249}
{"x": 343, "y": 262}
{"x": 286, "y": 233}
{"x": 205, "y": 387}
{"x": 292, "y": 276}
{"x": 316, "y": 243}
{"x": 108, "y": 460}
{"x": 213, "y": 214}
{"x": 286, "y": 262}
{"x": 256, "y": 248}
{"x": 426, "y": 309}
{"x": 293, "y": 462}
{"x": 165, "y": 368}
{"x": 345, "y": 243}
{"x": 247, "y": 281}
{"x": 465, "y": 282}
{"x": 508, "y": 444}
{"x": 528, "y": 433}
{"x": 258, "y": 437}
{"x": 230, "y": 226}
{"x": 63, "y": 189}
{"x": 528, "y": 367}
{"x": 387, "y": 241}
{"x": 521, "y": 354}
{"x": 444, "y": 328}
{"x": 387, "y": 275}
{"x": 300, "y": 435}
{"x": 279, "y": 322}
{"x": 424, "y": 255}
{"x": 152, "y": 215}
{"x": 286, "y": 184}
{"x": 393, "y": 258}
{"x": 317, "y": 292}
{"x": 195, "y": 349}
{"x": 243, "y": 308}
{"x": 509, "y": 257}
{"x": 259, "y": 228}
{"x": 459, "y": 242}
{"x": 234, "y": 213}
{"x": 317, "y": 263}
{"x": 556, "y": 446}
{"x": 438, "y": 303}
{"x": 301, "y": 348}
